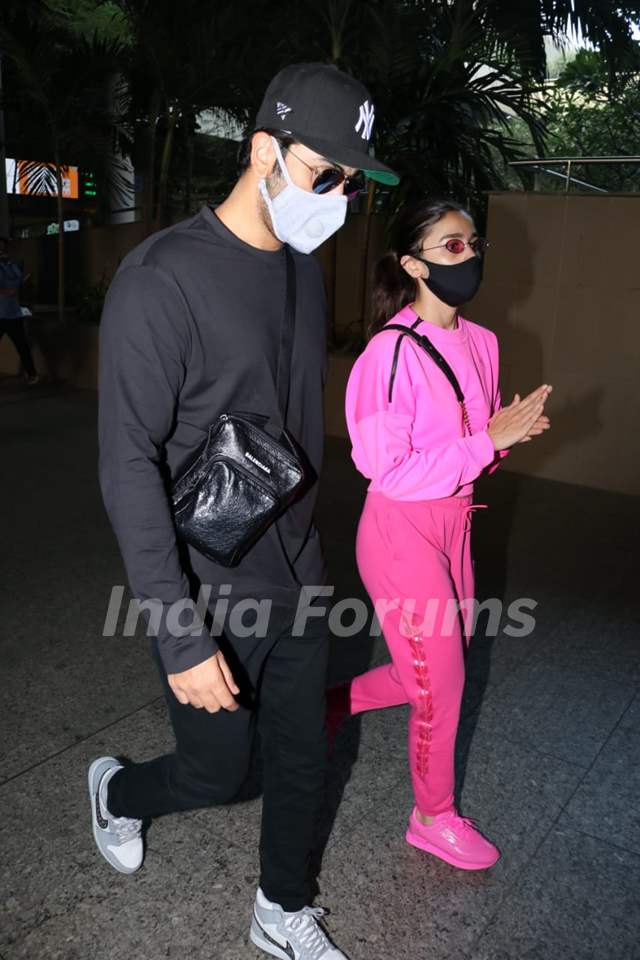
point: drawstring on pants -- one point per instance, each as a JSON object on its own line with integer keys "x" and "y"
{"x": 467, "y": 513}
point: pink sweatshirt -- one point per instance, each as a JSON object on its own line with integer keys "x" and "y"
{"x": 415, "y": 448}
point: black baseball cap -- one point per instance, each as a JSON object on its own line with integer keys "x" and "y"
{"x": 326, "y": 110}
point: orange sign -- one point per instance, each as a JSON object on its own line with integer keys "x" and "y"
{"x": 34, "y": 179}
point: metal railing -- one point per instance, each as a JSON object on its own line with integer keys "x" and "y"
{"x": 542, "y": 164}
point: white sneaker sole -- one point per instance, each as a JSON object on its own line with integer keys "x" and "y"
{"x": 98, "y": 834}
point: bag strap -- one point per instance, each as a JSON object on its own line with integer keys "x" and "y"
{"x": 283, "y": 376}
{"x": 424, "y": 342}
{"x": 283, "y": 382}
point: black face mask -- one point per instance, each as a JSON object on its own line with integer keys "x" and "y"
{"x": 454, "y": 283}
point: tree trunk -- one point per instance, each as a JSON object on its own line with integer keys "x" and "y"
{"x": 165, "y": 164}
{"x": 4, "y": 201}
{"x": 336, "y": 20}
{"x": 365, "y": 263}
{"x": 188, "y": 183}
{"x": 60, "y": 209}
{"x": 148, "y": 196}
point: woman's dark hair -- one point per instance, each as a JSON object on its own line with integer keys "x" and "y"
{"x": 393, "y": 288}
{"x": 244, "y": 150}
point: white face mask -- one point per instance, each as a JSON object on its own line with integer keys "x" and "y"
{"x": 302, "y": 219}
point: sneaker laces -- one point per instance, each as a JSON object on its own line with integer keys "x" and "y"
{"x": 304, "y": 924}
{"x": 456, "y": 822}
{"x": 125, "y": 828}
{"x": 468, "y": 822}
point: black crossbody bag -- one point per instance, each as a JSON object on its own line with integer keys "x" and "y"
{"x": 247, "y": 472}
{"x": 437, "y": 358}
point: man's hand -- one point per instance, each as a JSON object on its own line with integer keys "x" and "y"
{"x": 521, "y": 420}
{"x": 209, "y": 685}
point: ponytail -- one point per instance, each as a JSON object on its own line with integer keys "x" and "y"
{"x": 393, "y": 288}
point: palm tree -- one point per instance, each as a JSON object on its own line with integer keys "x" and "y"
{"x": 58, "y": 84}
{"x": 523, "y": 26}
{"x": 449, "y": 78}
{"x": 185, "y": 58}
{"x": 443, "y": 98}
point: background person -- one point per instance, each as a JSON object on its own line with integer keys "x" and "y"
{"x": 11, "y": 313}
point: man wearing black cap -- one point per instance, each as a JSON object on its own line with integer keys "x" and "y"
{"x": 191, "y": 328}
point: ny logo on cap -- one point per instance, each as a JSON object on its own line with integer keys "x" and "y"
{"x": 282, "y": 109}
{"x": 365, "y": 120}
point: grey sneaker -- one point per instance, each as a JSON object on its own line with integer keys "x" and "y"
{"x": 119, "y": 839}
{"x": 290, "y": 936}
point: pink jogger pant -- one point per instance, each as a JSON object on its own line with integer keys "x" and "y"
{"x": 414, "y": 558}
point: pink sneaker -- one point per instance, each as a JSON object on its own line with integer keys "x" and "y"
{"x": 454, "y": 839}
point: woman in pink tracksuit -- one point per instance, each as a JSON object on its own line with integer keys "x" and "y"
{"x": 424, "y": 424}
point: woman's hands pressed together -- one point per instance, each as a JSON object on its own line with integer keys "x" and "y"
{"x": 521, "y": 420}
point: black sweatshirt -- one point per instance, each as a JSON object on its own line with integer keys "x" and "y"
{"x": 190, "y": 330}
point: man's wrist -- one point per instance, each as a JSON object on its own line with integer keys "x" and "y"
{"x": 182, "y": 653}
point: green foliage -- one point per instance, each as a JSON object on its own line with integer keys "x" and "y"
{"x": 62, "y": 90}
{"x": 87, "y": 18}
{"x": 588, "y": 116}
{"x": 458, "y": 84}
{"x": 525, "y": 26}
{"x": 446, "y": 111}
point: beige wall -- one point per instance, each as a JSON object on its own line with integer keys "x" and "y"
{"x": 562, "y": 292}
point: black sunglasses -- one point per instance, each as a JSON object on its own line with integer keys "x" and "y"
{"x": 331, "y": 177}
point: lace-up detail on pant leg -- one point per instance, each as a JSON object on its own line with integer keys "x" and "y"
{"x": 424, "y": 700}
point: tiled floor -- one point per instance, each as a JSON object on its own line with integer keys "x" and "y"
{"x": 548, "y": 752}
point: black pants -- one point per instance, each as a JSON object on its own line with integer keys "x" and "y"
{"x": 287, "y": 677}
{"x": 15, "y": 331}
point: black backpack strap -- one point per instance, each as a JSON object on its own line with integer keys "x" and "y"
{"x": 429, "y": 348}
{"x": 396, "y": 354}
{"x": 394, "y": 367}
